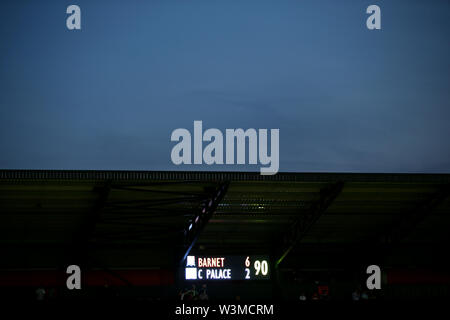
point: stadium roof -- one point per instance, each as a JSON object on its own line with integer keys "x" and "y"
{"x": 144, "y": 219}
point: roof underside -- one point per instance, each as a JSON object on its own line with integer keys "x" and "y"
{"x": 137, "y": 219}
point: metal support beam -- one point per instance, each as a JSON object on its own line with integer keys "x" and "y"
{"x": 85, "y": 233}
{"x": 144, "y": 188}
{"x": 201, "y": 218}
{"x": 151, "y": 208}
{"x": 302, "y": 225}
{"x": 409, "y": 221}
{"x": 145, "y": 204}
{"x": 382, "y": 246}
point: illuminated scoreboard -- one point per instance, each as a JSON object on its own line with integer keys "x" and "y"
{"x": 227, "y": 268}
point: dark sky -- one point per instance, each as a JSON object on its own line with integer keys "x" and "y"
{"x": 109, "y": 96}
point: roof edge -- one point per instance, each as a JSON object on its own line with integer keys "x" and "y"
{"x": 124, "y": 175}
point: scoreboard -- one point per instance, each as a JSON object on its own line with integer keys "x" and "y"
{"x": 227, "y": 268}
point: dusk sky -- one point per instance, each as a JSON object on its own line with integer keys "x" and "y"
{"x": 108, "y": 96}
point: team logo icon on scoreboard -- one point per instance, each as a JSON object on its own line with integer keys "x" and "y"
{"x": 227, "y": 268}
{"x": 191, "y": 270}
